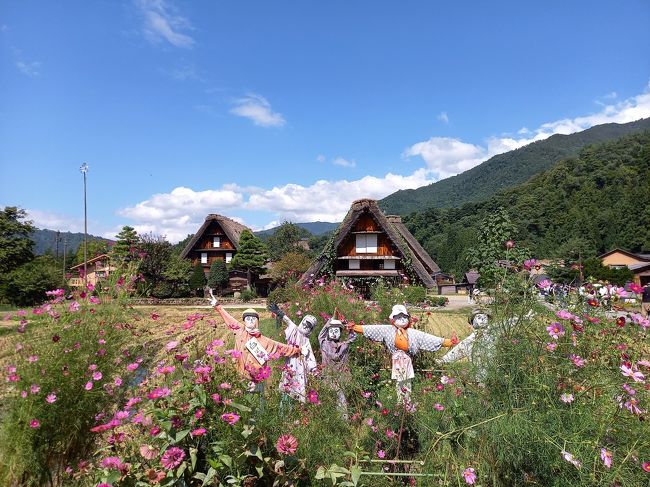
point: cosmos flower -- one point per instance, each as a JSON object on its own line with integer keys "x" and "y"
{"x": 230, "y": 418}
{"x": 567, "y": 398}
{"x": 606, "y": 457}
{"x": 470, "y": 475}
{"x": 555, "y": 330}
{"x": 172, "y": 458}
{"x": 286, "y": 444}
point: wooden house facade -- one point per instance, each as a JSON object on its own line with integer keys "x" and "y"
{"x": 638, "y": 263}
{"x": 370, "y": 244}
{"x": 98, "y": 268}
{"x": 217, "y": 239}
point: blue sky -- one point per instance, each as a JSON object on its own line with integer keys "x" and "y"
{"x": 266, "y": 111}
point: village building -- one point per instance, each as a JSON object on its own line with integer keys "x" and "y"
{"x": 638, "y": 263}
{"x": 99, "y": 268}
{"x": 369, "y": 244}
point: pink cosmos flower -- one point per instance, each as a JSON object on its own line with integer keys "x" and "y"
{"x": 564, "y": 315}
{"x": 32, "y": 358}
{"x": 89, "y": 385}
{"x": 286, "y": 445}
{"x": 198, "y": 432}
{"x": 159, "y": 392}
{"x": 172, "y": 458}
{"x": 113, "y": 463}
{"x": 529, "y": 264}
{"x": 117, "y": 381}
{"x": 446, "y": 380}
{"x": 551, "y": 346}
{"x": 51, "y": 398}
{"x": 35, "y": 389}
{"x": 230, "y": 418}
{"x": 93, "y": 300}
{"x": 312, "y": 397}
{"x": 148, "y": 452}
{"x": 646, "y": 466}
{"x": 381, "y": 453}
{"x": 470, "y": 475}
{"x": 606, "y": 457}
{"x": 34, "y": 423}
{"x": 632, "y": 405}
{"x": 167, "y": 369}
{"x": 555, "y": 329}
{"x": 632, "y": 373}
{"x": 133, "y": 366}
{"x": 567, "y": 398}
{"x": 97, "y": 375}
{"x": 544, "y": 283}
{"x": 216, "y": 398}
{"x": 225, "y": 385}
{"x": 577, "y": 360}
{"x": 171, "y": 345}
{"x": 74, "y": 306}
{"x": 438, "y": 407}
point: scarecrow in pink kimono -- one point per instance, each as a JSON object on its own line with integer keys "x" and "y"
{"x": 335, "y": 353}
{"x": 297, "y": 367}
{"x": 254, "y": 350}
{"x": 403, "y": 342}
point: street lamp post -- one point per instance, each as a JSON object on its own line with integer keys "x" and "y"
{"x": 84, "y": 170}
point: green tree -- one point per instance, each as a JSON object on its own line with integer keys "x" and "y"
{"x": 197, "y": 278}
{"x": 177, "y": 274}
{"x": 155, "y": 253}
{"x": 291, "y": 266}
{"x": 286, "y": 239}
{"x": 27, "y": 284}
{"x": 95, "y": 248}
{"x": 250, "y": 257}
{"x": 218, "y": 276}
{"x": 16, "y": 246}
{"x": 126, "y": 246}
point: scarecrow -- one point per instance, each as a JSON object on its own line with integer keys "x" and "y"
{"x": 403, "y": 342}
{"x": 253, "y": 349}
{"x": 294, "y": 377}
{"x": 477, "y": 347}
{"x": 335, "y": 353}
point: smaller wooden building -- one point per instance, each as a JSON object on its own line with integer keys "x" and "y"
{"x": 98, "y": 268}
{"x": 638, "y": 263}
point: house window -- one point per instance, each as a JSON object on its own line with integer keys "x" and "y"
{"x": 354, "y": 264}
{"x": 204, "y": 257}
{"x": 216, "y": 242}
{"x": 366, "y": 243}
{"x": 228, "y": 257}
{"x": 389, "y": 264}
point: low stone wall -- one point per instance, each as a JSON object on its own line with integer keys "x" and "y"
{"x": 191, "y": 301}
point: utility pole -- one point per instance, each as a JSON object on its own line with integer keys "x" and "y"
{"x": 65, "y": 242}
{"x": 84, "y": 170}
{"x": 58, "y": 238}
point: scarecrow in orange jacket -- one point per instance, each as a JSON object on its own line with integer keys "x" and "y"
{"x": 254, "y": 349}
{"x": 402, "y": 342}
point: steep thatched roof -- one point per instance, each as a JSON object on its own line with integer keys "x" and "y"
{"x": 230, "y": 227}
{"x": 397, "y": 233}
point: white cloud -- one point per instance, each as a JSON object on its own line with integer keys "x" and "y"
{"x": 330, "y": 200}
{"x": 55, "y": 221}
{"x": 258, "y": 109}
{"x": 340, "y": 161}
{"x": 449, "y": 156}
{"x": 29, "y": 69}
{"x": 443, "y": 117}
{"x": 320, "y": 158}
{"x": 162, "y": 22}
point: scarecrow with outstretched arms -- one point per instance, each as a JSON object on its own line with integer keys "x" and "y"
{"x": 297, "y": 368}
{"x": 402, "y": 342}
{"x": 254, "y": 350}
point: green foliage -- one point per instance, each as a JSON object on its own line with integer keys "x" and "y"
{"x": 177, "y": 274}
{"x": 504, "y": 171}
{"x": 95, "y": 248}
{"x": 54, "y": 357}
{"x": 290, "y": 266}
{"x": 197, "y": 278}
{"x": 218, "y": 276}
{"x": 27, "y": 284}
{"x": 155, "y": 256}
{"x": 286, "y": 239}
{"x": 584, "y": 206}
{"x": 248, "y": 294}
{"x": 16, "y": 247}
{"x": 251, "y": 255}
{"x": 125, "y": 247}
{"x": 594, "y": 269}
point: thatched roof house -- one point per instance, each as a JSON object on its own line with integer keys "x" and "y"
{"x": 369, "y": 244}
{"x": 217, "y": 239}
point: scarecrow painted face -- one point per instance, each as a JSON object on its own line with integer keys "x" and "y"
{"x": 480, "y": 320}
{"x": 251, "y": 323}
{"x": 334, "y": 333}
{"x": 307, "y": 325}
{"x": 401, "y": 320}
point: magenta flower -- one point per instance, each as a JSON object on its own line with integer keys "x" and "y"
{"x": 159, "y": 392}
{"x": 172, "y": 458}
{"x": 34, "y": 423}
{"x": 312, "y": 397}
{"x": 645, "y": 466}
{"x": 97, "y": 375}
{"x": 606, "y": 457}
{"x": 470, "y": 475}
{"x": 133, "y": 366}
{"x": 74, "y": 306}
{"x": 35, "y": 389}
{"x": 529, "y": 264}
{"x": 51, "y": 398}
{"x": 198, "y": 432}
{"x": 286, "y": 445}
{"x": 544, "y": 283}
{"x": 438, "y": 407}
{"x": 577, "y": 360}
{"x": 171, "y": 345}
{"x": 89, "y": 385}
{"x": 564, "y": 315}
{"x": 381, "y": 453}
{"x": 555, "y": 329}
{"x": 230, "y": 418}
{"x": 551, "y": 346}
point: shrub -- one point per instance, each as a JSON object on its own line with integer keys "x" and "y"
{"x": 248, "y": 294}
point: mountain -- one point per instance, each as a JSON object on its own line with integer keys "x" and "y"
{"x": 504, "y": 170}
{"x": 315, "y": 228}
{"x": 45, "y": 240}
{"x": 587, "y": 204}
